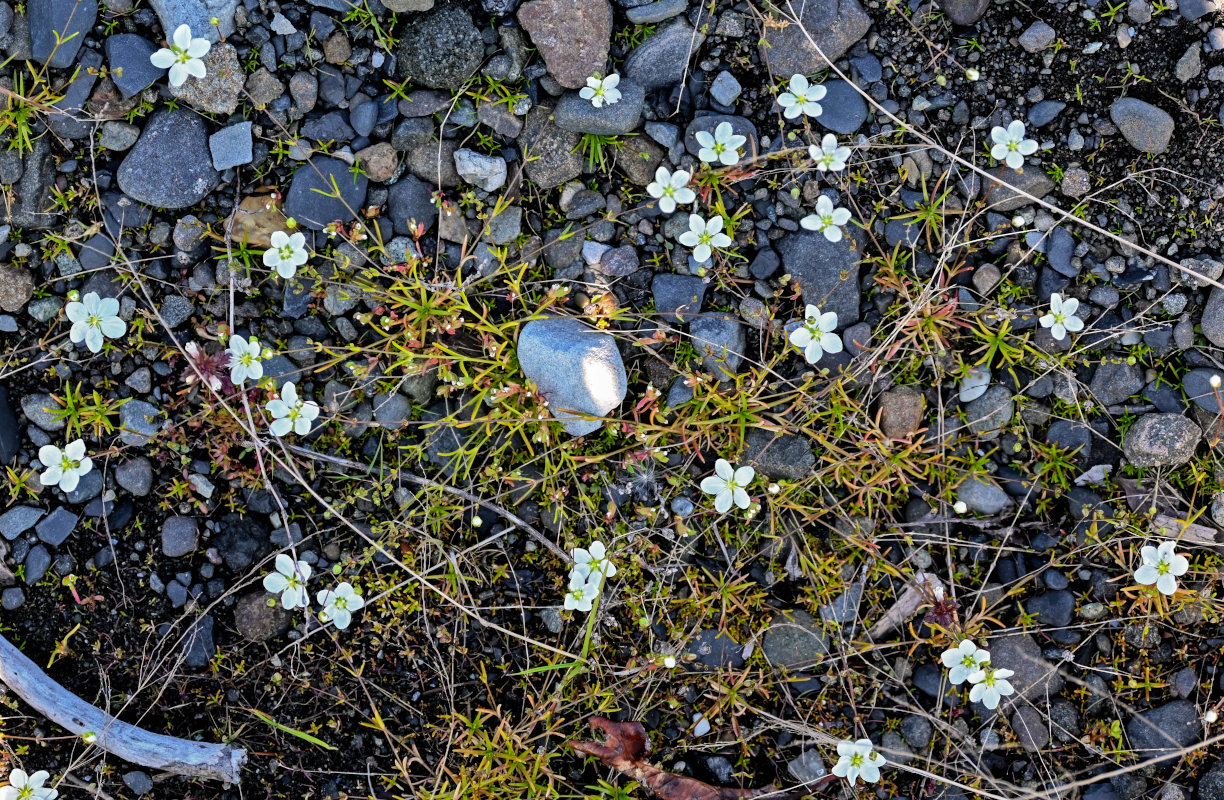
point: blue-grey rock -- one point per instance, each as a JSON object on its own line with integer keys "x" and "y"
{"x": 324, "y": 191}
{"x": 982, "y": 497}
{"x": 331, "y": 127}
{"x": 868, "y": 67}
{"x": 483, "y": 171}
{"x": 552, "y": 151}
{"x": 10, "y": 438}
{"x": 58, "y": 29}
{"x": 231, "y": 146}
{"x": 661, "y": 60}
{"x": 964, "y": 12}
{"x": 1197, "y": 385}
{"x": 12, "y": 598}
{"x": 1053, "y": 608}
{"x": 69, "y": 119}
{"x": 139, "y": 422}
{"x": 1193, "y": 9}
{"x": 18, "y": 520}
{"x": 198, "y": 15}
{"x": 57, "y": 527}
{"x": 138, "y": 782}
{"x": 987, "y": 415}
{"x": 410, "y": 200}
{"x": 170, "y": 166}
{"x": 716, "y": 649}
{"x": 179, "y": 536}
{"x": 40, "y": 409}
{"x": 828, "y": 272}
{"x": 1060, "y": 247}
{"x": 1156, "y": 440}
{"x": 578, "y": 368}
{"x": 843, "y": 109}
{"x": 677, "y": 297}
{"x": 136, "y": 476}
{"x": 794, "y": 640}
{"x": 36, "y": 563}
{"x": 1162, "y": 732}
{"x": 364, "y": 117}
{"x": 725, "y": 89}
{"x": 1037, "y": 36}
{"x": 719, "y": 341}
{"x": 1115, "y": 381}
{"x": 89, "y": 487}
{"x": 656, "y": 12}
{"x": 1045, "y": 112}
{"x": 127, "y": 56}
{"x": 440, "y": 48}
{"x": 834, "y": 25}
{"x": 780, "y": 456}
{"x": 576, "y": 114}
{"x": 1147, "y": 128}
{"x": 198, "y": 643}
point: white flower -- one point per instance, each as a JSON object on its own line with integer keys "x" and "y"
{"x": 94, "y": 319}
{"x": 245, "y": 359}
{"x": 960, "y": 507}
{"x": 1062, "y": 317}
{"x": 828, "y": 156}
{"x": 827, "y": 219}
{"x": 1161, "y": 566}
{"x": 28, "y": 787}
{"x": 989, "y": 686}
{"x": 291, "y": 413}
{"x": 858, "y": 760}
{"x": 601, "y": 91}
{"x": 972, "y": 74}
{"x": 595, "y": 557}
{"x": 1010, "y": 144}
{"x": 802, "y": 98}
{"x": 669, "y": 662}
{"x": 183, "y": 56}
{"x": 64, "y": 467}
{"x": 722, "y": 147}
{"x": 728, "y": 485}
{"x": 671, "y": 189}
{"x": 964, "y": 660}
{"x": 286, "y": 254}
{"x": 815, "y": 336}
{"x": 583, "y": 590}
{"x": 339, "y": 604}
{"x": 289, "y": 581}
{"x": 703, "y": 236}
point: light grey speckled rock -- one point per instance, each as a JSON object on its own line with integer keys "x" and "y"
{"x": 578, "y": 368}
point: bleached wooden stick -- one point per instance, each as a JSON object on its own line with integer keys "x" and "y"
{"x": 179, "y": 756}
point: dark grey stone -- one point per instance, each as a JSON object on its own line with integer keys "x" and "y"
{"x": 988, "y": 414}
{"x": 1162, "y": 732}
{"x": 198, "y": 644}
{"x": 1197, "y": 385}
{"x": 364, "y": 117}
{"x": 179, "y": 536}
{"x": 1036, "y": 679}
{"x": 719, "y": 340}
{"x": 136, "y": 476}
{"x": 57, "y": 527}
{"x": 828, "y": 272}
{"x": 323, "y": 191}
{"x": 1147, "y": 128}
{"x": 69, "y": 119}
{"x": 37, "y": 562}
{"x": 982, "y": 497}
{"x": 1161, "y": 440}
{"x": 1060, "y": 246}
{"x": 12, "y": 598}
{"x": 576, "y": 114}
{"x": 58, "y": 29}
{"x": 661, "y": 60}
{"x": 170, "y": 166}
{"x": 10, "y": 434}
{"x": 89, "y": 487}
{"x": 843, "y": 109}
{"x": 1052, "y": 608}
{"x": 678, "y": 297}
{"x": 440, "y": 48}
{"x": 917, "y": 731}
{"x": 139, "y": 422}
{"x": 795, "y": 640}
{"x": 716, "y": 649}
{"x": 198, "y": 15}
{"x": 1045, "y": 112}
{"x": 781, "y": 456}
{"x": 550, "y": 152}
{"x": 834, "y": 25}
{"x": 231, "y": 146}
{"x": 18, "y": 520}
{"x": 410, "y": 200}
{"x": 656, "y": 11}
{"x": 1115, "y": 381}
{"x": 138, "y": 782}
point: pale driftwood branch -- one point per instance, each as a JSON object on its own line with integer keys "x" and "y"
{"x": 925, "y": 587}
{"x": 179, "y": 756}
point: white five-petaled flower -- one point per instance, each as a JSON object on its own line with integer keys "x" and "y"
{"x": 286, "y": 254}
{"x": 704, "y": 237}
{"x": 246, "y": 359}
{"x": 595, "y": 557}
{"x": 802, "y": 98}
{"x": 815, "y": 336}
{"x": 291, "y": 413}
{"x": 1061, "y": 318}
{"x": 64, "y": 467}
{"x": 1010, "y": 145}
{"x": 728, "y": 485}
{"x": 1161, "y": 566}
{"x": 183, "y": 56}
{"x": 339, "y": 604}
{"x": 990, "y": 686}
{"x": 28, "y": 787}
{"x": 601, "y": 91}
{"x": 671, "y": 189}
{"x": 722, "y": 147}
{"x": 828, "y": 156}
{"x": 827, "y": 219}
{"x": 584, "y": 588}
{"x": 94, "y": 319}
{"x": 856, "y": 760}
{"x": 964, "y": 660}
{"x": 289, "y": 581}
